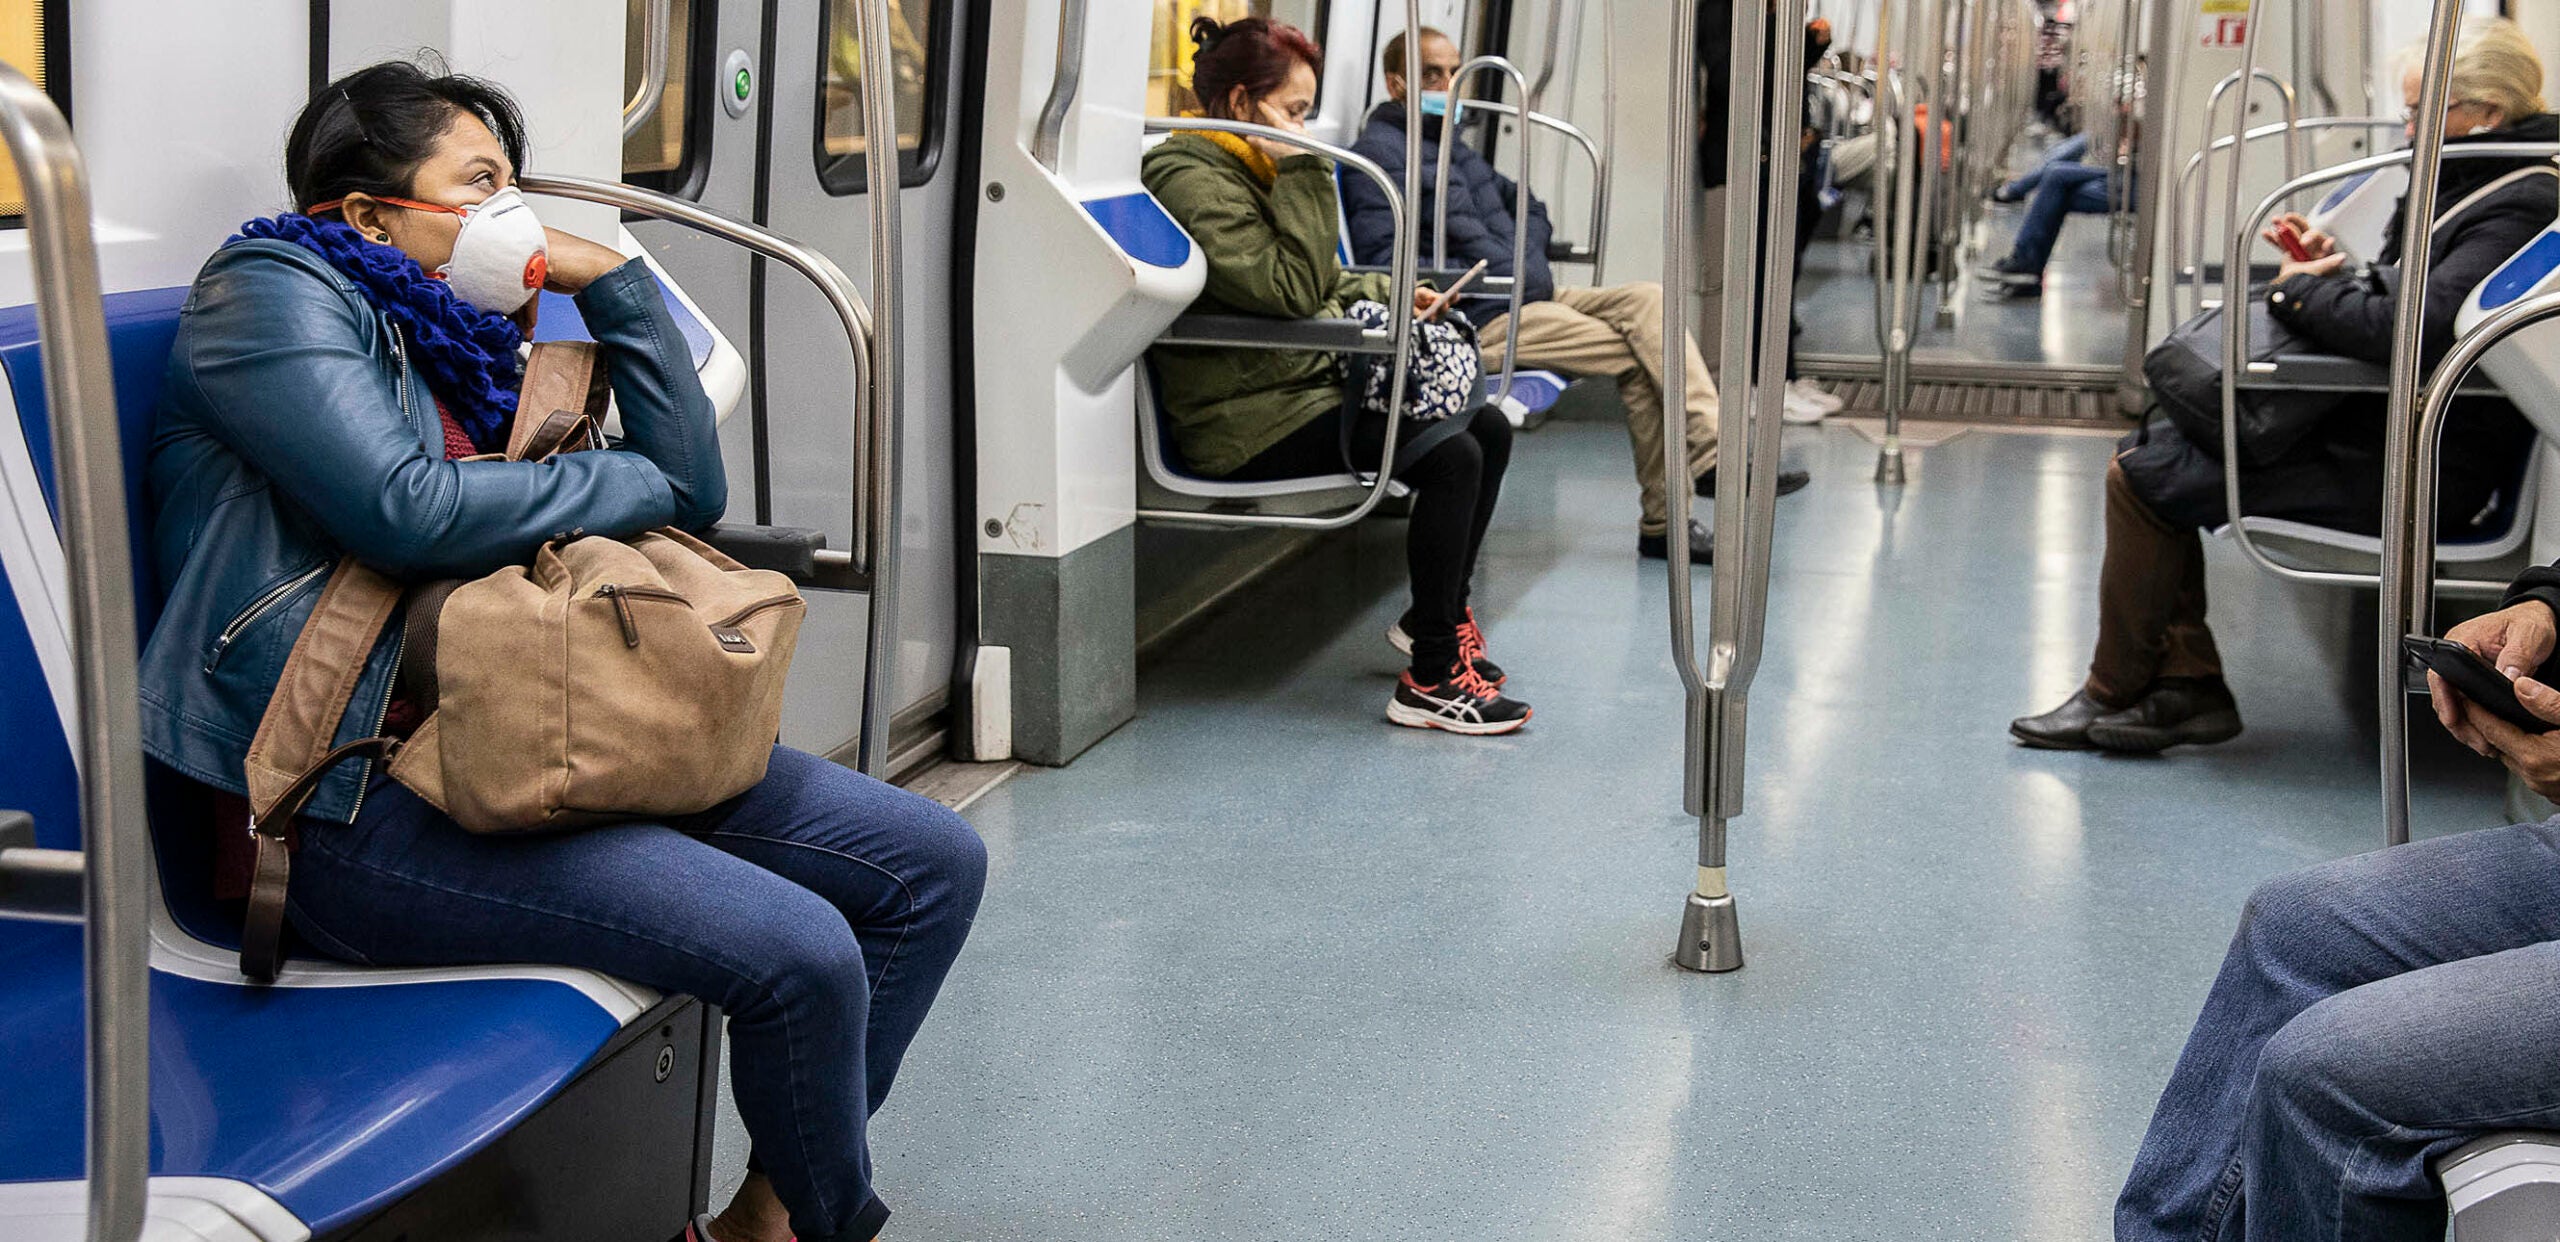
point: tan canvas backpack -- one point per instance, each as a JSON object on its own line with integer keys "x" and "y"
{"x": 610, "y": 679}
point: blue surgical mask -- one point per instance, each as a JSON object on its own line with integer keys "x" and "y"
{"x": 1435, "y": 103}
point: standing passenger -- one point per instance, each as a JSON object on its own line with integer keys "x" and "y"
{"x": 319, "y": 395}
{"x": 1264, "y": 215}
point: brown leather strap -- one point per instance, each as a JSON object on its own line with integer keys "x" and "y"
{"x": 561, "y": 378}
{"x": 271, "y": 872}
{"x": 560, "y": 432}
{"x": 419, "y": 622}
{"x": 319, "y": 678}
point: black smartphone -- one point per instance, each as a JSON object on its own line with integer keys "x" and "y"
{"x": 2472, "y": 678}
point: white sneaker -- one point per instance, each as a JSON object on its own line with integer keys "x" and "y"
{"x": 1800, "y": 409}
{"x": 1814, "y": 394}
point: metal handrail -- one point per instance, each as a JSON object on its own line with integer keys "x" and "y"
{"x": 79, "y": 389}
{"x": 1401, "y": 274}
{"x": 2426, "y": 150}
{"x": 2409, "y": 599}
{"x": 2185, "y": 263}
{"x": 852, "y": 310}
{"x": 1555, "y": 44}
{"x": 1064, "y": 81}
{"x": 1519, "y": 208}
{"x": 2235, "y": 342}
{"x": 1591, "y": 147}
{"x": 656, "y": 31}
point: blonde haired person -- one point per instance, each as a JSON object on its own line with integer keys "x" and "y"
{"x": 2155, "y": 680}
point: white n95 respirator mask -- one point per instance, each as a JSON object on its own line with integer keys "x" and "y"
{"x": 501, "y": 256}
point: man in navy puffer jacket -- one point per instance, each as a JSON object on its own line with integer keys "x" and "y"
{"x": 1614, "y": 331}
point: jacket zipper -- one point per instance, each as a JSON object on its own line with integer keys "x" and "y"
{"x": 364, "y": 775}
{"x": 259, "y": 607}
{"x": 739, "y": 617}
{"x": 400, "y": 640}
{"x": 622, "y": 597}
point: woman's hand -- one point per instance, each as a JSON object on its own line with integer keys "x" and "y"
{"x": 2515, "y": 641}
{"x": 577, "y": 262}
{"x": 2318, "y": 244}
{"x": 1426, "y": 303}
{"x": 1274, "y": 118}
{"x": 2323, "y": 266}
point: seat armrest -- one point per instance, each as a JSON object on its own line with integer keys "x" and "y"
{"x": 1567, "y": 252}
{"x": 1441, "y": 278}
{"x": 1347, "y": 336}
{"x": 789, "y": 550}
{"x": 2332, "y": 373}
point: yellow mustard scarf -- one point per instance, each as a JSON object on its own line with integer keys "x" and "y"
{"x": 1263, "y": 167}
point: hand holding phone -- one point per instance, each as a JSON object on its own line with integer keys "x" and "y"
{"x": 2289, "y": 238}
{"x": 1450, "y": 294}
{"x": 2473, "y": 678}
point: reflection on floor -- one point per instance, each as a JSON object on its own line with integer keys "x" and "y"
{"x": 2079, "y": 321}
{"x": 1263, "y": 966}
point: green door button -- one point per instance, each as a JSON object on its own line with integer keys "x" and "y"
{"x": 739, "y": 72}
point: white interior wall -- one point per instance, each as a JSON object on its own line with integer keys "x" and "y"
{"x": 181, "y": 111}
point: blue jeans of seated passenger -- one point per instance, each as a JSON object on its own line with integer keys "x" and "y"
{"x": 2069, "y": 151}
{"x": 2067, "y": 190}
{"x": 2372, "y": 1014}
{"x": 820, "y": 910}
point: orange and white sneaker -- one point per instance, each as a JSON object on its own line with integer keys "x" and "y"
{"x": 1470, "y": 648}
{"x": 1465, "y": 703}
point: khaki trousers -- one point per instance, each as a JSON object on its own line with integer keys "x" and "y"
{"x": 1617, "y": 331}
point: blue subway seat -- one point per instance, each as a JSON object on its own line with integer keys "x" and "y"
{"x": 332, "y": 1094}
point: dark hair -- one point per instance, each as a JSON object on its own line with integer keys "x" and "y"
{"x": 1391, "y": 60}
{"x": 370, "y": 130}
{"x": 1255, "y": 53}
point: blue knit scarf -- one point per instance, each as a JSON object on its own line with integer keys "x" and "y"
{"x": 467, "y": 354}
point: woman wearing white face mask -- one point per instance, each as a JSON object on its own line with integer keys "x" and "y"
{"x": 332, "y": 368}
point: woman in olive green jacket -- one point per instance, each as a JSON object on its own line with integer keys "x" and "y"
{"x": 1264, "y": 217}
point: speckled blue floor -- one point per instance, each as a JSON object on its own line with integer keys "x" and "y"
{"x": 1261, "y": 966}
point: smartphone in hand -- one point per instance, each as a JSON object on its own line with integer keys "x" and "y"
{"x": 2290, "y": 239}
{"x": 2473, "y": 679}
{"x": 1446, "y": 296}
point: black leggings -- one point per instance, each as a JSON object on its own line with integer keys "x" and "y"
{"x": 1455, "y": 486}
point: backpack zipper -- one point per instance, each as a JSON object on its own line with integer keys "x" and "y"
{"x": 623, "y": 595}
{"x": 739, "y": 617}
{"x": 259, "y": 607}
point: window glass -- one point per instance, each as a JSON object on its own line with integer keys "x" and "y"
{"x": 657, "y": 150}
{"x": 911, "y": 34}
{"x": 24, "y": 29}
{"x": 1169, "y": 53}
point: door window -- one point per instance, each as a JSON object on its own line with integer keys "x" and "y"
{"x": 663, "y": 152}
{"x": 917, "y": 34}
{"x": 1169, "y": 52}
{"x": 33, "y": 42}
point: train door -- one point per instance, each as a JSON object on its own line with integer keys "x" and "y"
{"x": 768, "y": 91}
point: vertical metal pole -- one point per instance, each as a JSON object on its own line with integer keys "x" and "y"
{"x": 89, "y": 484}
{"x": 1608, "y": 139}
{"x": 880, "y": 164}
{"x": 2408, "y": 328}
{"x": 1461, "y": 88}
{"x": 1064, "y": 81}
{"x": 2150, "y": 162}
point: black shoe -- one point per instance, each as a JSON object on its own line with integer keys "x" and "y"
{"x": 2179, "y": 711}
{"x": 1788, "y": 481}
{"x": 1464, "y": 703}
{"x": 2001, "y": 194}
{"x": 2012, "y": 290}
{"x": 1702, "y": 545}
{"x": 2065, "y": 727}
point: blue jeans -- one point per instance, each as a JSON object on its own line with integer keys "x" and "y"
{"x": 2065, "y": 190}
{"x": 2069, "y": 151}
{"x": 820, "y": 909}
{"x": 2373, "y": 1014}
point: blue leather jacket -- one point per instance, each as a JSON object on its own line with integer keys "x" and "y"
{"x": 294, "y": 429}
